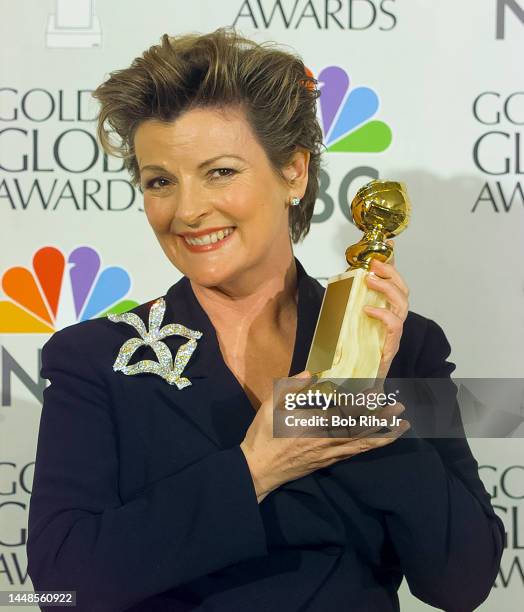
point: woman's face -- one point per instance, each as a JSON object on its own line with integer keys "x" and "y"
{"x": 206, "y": 172}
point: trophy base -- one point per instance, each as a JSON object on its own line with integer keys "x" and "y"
{"x": 347, "y": 342}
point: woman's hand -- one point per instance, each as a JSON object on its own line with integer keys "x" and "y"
{"x": 387, "y": 280}
{"x": 274, "y": 461}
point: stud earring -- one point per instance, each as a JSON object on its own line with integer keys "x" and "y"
{"x": 295, "y": 201}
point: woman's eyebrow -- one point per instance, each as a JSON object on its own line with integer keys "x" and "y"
{"x": 213, "y": 159}
{"x": 158, "y": 168}
{"x": 154, "y": 167}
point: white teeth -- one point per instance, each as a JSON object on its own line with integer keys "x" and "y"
{"x": 209, "y": 238}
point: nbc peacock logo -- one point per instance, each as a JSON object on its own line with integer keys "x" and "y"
{"x": 347, "y": 115}
{"x": 60, "y": 291}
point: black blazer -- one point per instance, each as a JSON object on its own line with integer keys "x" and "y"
{"x": 143, "y": 500}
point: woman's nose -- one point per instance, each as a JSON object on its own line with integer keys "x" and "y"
{"x": 191, "y": 206}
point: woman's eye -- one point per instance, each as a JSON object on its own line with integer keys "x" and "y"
{"x": 160, "y": 182}
{"x": 224, "y": 172}
{"x": 157, "y": 183}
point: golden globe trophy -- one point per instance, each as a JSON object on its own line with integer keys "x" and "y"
{"x": 347, "y": 342}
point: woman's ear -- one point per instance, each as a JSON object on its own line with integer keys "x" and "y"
{"x": 296, "y": 171}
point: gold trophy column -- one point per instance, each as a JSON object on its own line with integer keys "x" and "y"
{"x": 348, "y": 343}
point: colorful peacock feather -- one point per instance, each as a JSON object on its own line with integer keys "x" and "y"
{"x": 59, "y": 292}
{"x": 346, "y": 113}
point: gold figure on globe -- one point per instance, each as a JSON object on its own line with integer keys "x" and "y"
{"x": 347, "y": 343}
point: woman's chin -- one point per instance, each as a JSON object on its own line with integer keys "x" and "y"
{"x": 209, "y": 276}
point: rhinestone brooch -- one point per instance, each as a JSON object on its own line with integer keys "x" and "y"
{"x": 169, "y": 370}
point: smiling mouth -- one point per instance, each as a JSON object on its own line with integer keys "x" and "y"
{"x": 210, "y": 238}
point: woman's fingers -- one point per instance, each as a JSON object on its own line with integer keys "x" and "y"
{"x": 395, "y": 296}
{"x": 394, "y": 327}
{"x": 360, "y": 445}
{"x": 351, "y": 432}
{"x": 391, "y": 244}
{"x": 393, "y": 322}
{"x": 389, "y": 272}
{"x": 386, "y": 280}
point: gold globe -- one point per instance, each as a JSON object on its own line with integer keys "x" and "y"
{"x": 381, "y": 209}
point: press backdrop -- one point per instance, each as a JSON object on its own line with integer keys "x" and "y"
{"x": 426, "y": 92}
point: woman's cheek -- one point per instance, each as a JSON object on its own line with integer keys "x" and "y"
{"x": 158, "y": 216}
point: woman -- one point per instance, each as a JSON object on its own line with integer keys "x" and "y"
{"x": 158, "y": 483}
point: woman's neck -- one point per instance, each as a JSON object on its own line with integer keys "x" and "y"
{"x": 266, "y": 298}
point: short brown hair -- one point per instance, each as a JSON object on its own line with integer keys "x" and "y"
{"x": 219, "y": 69}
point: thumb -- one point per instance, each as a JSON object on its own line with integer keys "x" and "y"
{"x": 306, "y": 378}
{"x": 303, "y": 374}
{"x": 292, "y": 384}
